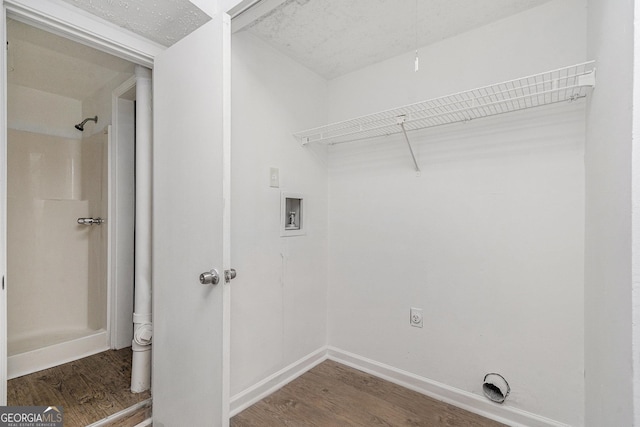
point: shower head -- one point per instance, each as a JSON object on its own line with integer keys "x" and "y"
{"x": 80, "y": 126}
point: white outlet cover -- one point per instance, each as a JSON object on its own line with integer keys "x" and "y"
{"x": 415, "y": 318}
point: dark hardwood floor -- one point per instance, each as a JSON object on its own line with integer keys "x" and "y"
{"x": 88, "y": 389}
{"x": 329, "y": 395}
{"x": 334, "y": 395}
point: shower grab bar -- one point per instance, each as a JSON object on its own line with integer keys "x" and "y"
{"x": 90, "y": 221}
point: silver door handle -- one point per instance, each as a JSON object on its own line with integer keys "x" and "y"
{"x": 229, "y": 275}
{"x": 90, "y": 221}
{"x": 210, "y": 277}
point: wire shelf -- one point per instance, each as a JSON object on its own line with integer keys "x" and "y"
{"x": 561, "y": 85}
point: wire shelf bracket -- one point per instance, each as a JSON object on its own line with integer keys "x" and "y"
{"x": 565, "y": 84}
{"x": 400, "y": 121}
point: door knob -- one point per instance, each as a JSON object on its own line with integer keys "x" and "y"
{"x": 229, "y": 275}
{"x": 210, "y": 277}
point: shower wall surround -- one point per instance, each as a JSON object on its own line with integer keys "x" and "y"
{"x": 57, "y": 288}
{"x": 45, "y": 249}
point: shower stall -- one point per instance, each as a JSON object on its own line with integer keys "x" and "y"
{"x": 57, "y": 241}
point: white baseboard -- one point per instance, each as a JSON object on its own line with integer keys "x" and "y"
{"x": 125, "y": 412}
{"x": 56, "y": 354}
{"x": 257, "y": 392}
{"x": 442, "y": 392}
{"x": 439, "y": 391}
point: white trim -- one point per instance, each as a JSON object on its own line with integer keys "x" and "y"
{"x": 121, "y": 414}
{"x": 3, "y": 210}
{"x": 226, "y": 216}
{"x": 262, "y": 389}
{"x": 247, "y": 12}
{"x": 125, "y": 87}
{"x": 635, "y": 221}
{"x": 442, "y": 392}
{"x": 56, "y": 354}
{"x": 75, "y": 24}
{"x": 110, "y": 230}
{"x": 121, "y": 167}
{"x": 459, "y": 398}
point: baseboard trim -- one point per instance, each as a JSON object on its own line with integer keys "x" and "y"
{"x": 442, "y": 392}
{"x": 462, "y": 399}
{"x": 257, "y": 392}
{"x": 124, "y": 413}
{"x": 56, "y": 354}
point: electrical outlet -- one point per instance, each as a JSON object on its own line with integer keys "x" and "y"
{"x": 415, "y": 318}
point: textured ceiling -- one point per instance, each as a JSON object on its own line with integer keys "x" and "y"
{"x": 331, "y": 37}
{"x": 334, "y": 37}
{"x": 163, "y": 21}
{"x": 46, "y": 62}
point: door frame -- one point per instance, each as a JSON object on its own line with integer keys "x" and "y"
{"x": 70, "y": 22}
{"x": 66, "y": 21}
{"x": 121, "y": 219}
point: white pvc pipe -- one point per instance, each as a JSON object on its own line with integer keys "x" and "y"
{"x": 142, "y": 332}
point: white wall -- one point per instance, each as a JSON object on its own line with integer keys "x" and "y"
{"x": 488, "y": 241}
{"x": 278, "y": 300}
{"x": 547, "y": 37}
{"x": 608, "y": 252}
{"x": 208, "y": 6}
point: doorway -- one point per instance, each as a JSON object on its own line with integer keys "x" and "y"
{"x": 204, "y": 54}
{"x": 70, "y": 200}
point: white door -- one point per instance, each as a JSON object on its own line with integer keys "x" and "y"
{"x": 190, "y": 229}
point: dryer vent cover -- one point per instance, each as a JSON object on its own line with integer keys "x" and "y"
{"x": 495, "y": 387}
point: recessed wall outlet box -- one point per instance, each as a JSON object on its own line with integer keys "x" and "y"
{"x": 292, "y": 214}
{"x": 415, "y": 318}
{"x": 274, "y": 177}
